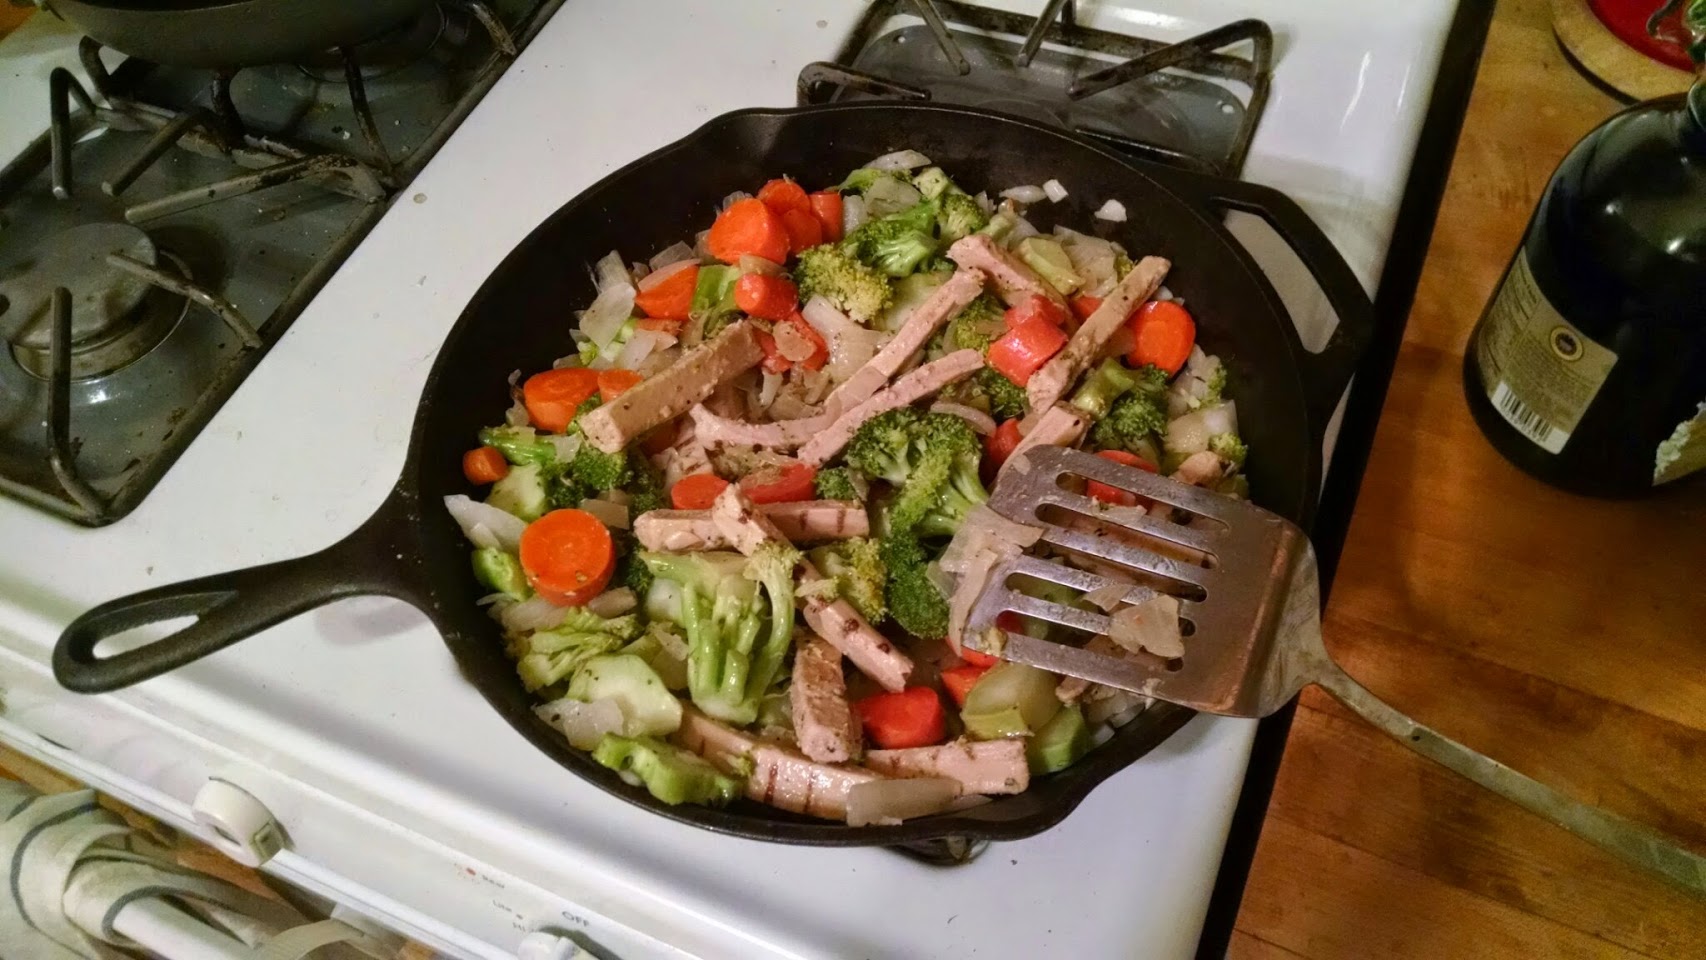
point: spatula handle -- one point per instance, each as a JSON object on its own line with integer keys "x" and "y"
{"x": 1628, "y": 840}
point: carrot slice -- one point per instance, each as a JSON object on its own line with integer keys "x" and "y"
{"x": 781, "y": 484}
{"x": 910, "y": 718}
{"x": 804, "y": 229}
{"x": 568, "y": 556}
{"x": 959, "y": 681}
{"x": 766, "y": 297}
{"x": 484, "y": 465}
{"x": 552, "y": 396}
{"x": 827, "y": 207}
{"x": 748, "y": 227}
{"x": 1034, "y": 307}
{"x": 1097, "y": 490}
{"x": 1163, "y": 333}
{"x": 773, "y": 361}
{"x": 820, "y": 346}
{"x": 1083, "y": 305}
{"x": 614, "y": 383}
{"x": 671, "y": 327}
{"x": 984, "y": 661}
{"x": 784, "y": 194}
{"x": 671, "y": 297}
{"x": 696, "y": 491}
{"x": 1025, "y": 348}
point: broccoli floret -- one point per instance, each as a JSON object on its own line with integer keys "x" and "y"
{"x": 896, "y": 244}
{"x": 630, "y": 571}
{"x": 977, "y": 324}
{"x": 959, "y": 216}
{"x": 519, "y": 445}
{"x": 933, "y": 182}
{"x": 860, "y": 180}
{"x": 1131, "y": 422}
{"x": 548, "y": 656}
{"x": 857, "y": 568}
{"x": 733, "y": 654}
{"x": 835, "y": 274}
{"x": 932, "y": 458}
{"x": 913, "y": 601}
{"x": 1216, "y": 386}
{"x": 669, "y": 773}
{"x": 1102, "y": 387}
{"x": 1006, "y": 398}
{"x": 1229, "y": 447}
{"x": 836, "y": 483}
{"x": 645, "y": 491}
{"x": 1000, "y": 225}
{"x": 1048, "y": 258}
{"x": 1152, "y": 381}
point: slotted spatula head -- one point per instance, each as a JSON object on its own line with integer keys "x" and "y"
{"x": 1243, "y": 576}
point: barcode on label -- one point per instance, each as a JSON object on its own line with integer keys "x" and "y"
{"x": 1523, "y": 417}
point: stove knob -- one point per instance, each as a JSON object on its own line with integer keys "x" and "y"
{"x": 545, "y": 945}
{"x": 240, "y": 826}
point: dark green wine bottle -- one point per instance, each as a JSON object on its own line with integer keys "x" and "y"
{"x": 1588, "y": 367}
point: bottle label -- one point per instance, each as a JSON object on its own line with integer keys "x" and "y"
{"x": 1541, "y": 373}
{"x": 1684, "y": 451}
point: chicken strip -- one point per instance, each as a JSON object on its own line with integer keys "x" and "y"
{"x": 1059, "y": 426}
{"x": 1013, "y": 278}
{"x": 940, "y": 307}
{"x": 1050, "y": 383}
{"x": 779, "y": 776}
{"x": 909, "y": 389}
{"x": 823, "y": 719}
{"x": 713, "y": 428}
{"x": 1204, "y": 468}
{"x": 979, "y": 766}
{"x": 802, "y": 521}
{"x": 673, "y": 390}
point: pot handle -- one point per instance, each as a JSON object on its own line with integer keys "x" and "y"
{"x": 1327, "y": 373}
{"x": 378, "y": 558}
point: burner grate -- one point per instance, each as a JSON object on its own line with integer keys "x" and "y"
{"x": 1177, "y": 103}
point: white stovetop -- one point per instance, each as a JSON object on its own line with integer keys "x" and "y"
{"x": 361, "y": 702}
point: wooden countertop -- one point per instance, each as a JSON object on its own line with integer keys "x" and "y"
{"x": 1564, "y": 636}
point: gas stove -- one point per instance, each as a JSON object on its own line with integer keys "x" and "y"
{"x": 397, "y": 790}
{"x": 190, "y": 215}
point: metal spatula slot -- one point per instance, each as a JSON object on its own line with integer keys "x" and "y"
{"x": 1247, "y": 583}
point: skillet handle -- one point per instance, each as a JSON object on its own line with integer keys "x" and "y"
{"x": 378, "y": 558}
{"x": 1325, "y": 374}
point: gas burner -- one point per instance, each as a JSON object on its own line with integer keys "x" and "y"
{"x": 1177, "y": 103}
{"x": 394, "y": 50}
{"x": 117, "y": 315}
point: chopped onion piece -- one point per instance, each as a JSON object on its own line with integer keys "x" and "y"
{"x": 534, "y": 613}
{"x": 584, "y": 724}
{"x": 640, "y": 346}
{"x": 733, "y": 199}
{"x": 1220, "y": 418}
{"x": 750, "y": 263}
{"x": 503, "y": 528}
{"x": 889, "y": 195}
{"x": 1025, "y": 193}
{"x": 892, "y": 801}
{"x": 610, "y": 514}
{"x": 852, "y": 214}
{"x": 1108, "y": 597}
{"x": 899, "y": 160}
{"x": 984, "y": 203}
{"x": 516, "y": 415}
{"x": 1022, "y": 229}
{"x": 793, "y": 345}
{"x": 612, "y": 603}
{"x": 602, "y": 321}
{"x": 944, "y": 581}
{"x": 610, "y": 272}
{"x": 1152, "y": 625}
{"x": 567, "y": 361}
{"x": 850, "y": 345}
{"x": 665, "y": 272}
{"x": 1113, "y": 211}
{"x": 700, "y": 249}
{"x": 771, "y": 384}
{"x": 981, "y": 422}
{"x": 1054, "y": 191}
{"x": 1100, "y": 735}
{"x": 1188, "y": 434}
{"x": 674, "y": 253}
{"x": 565, "y": 445}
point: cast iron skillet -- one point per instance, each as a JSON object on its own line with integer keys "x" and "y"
{"x": 412, "y": 550}
{"x": 232, "y": 33}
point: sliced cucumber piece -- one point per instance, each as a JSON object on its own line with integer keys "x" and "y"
{"x": 499, "y": 570}
{"x": 521, "y": 492}
{"x": 1060, "y": 742}
{"x": 648, "y": 708}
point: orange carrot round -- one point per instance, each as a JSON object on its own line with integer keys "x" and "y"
{"x": 827, "y": 206}
{"x": 1003, "y": 441}
{"x": 978, "y": 658}
{"x": 483, "y": 465}
{"x": 766, "y": 297}
{"x": 959, "y": 681}
{"x": 568, "y": 556}
{"x": 784, "y": 194}
{"x": 748, "y": 227}
{"x": 671, "y": 297}
{"x": 820, "y": 346}
{"x": 1097, "y": 490}
{"x": 552, "y": 396}
{"x": 1083, "y": 305}
{"x": 781, "y": 484}
{"x": 696, "y": 491}
{"x": 614, "y": 383}
{"x": 1163, "y": 333}
{"x": 910, "y": 718}
{"x": 1024, "y": 349}
{"x": 804, "y": 229}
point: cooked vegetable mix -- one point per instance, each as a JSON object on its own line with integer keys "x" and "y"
{"x": 733, "y": 536}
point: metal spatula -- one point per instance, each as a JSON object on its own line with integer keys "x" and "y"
{"x": 1250, "y": 599}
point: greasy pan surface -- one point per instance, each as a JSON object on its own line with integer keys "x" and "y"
{"x": 521, "y": 318}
